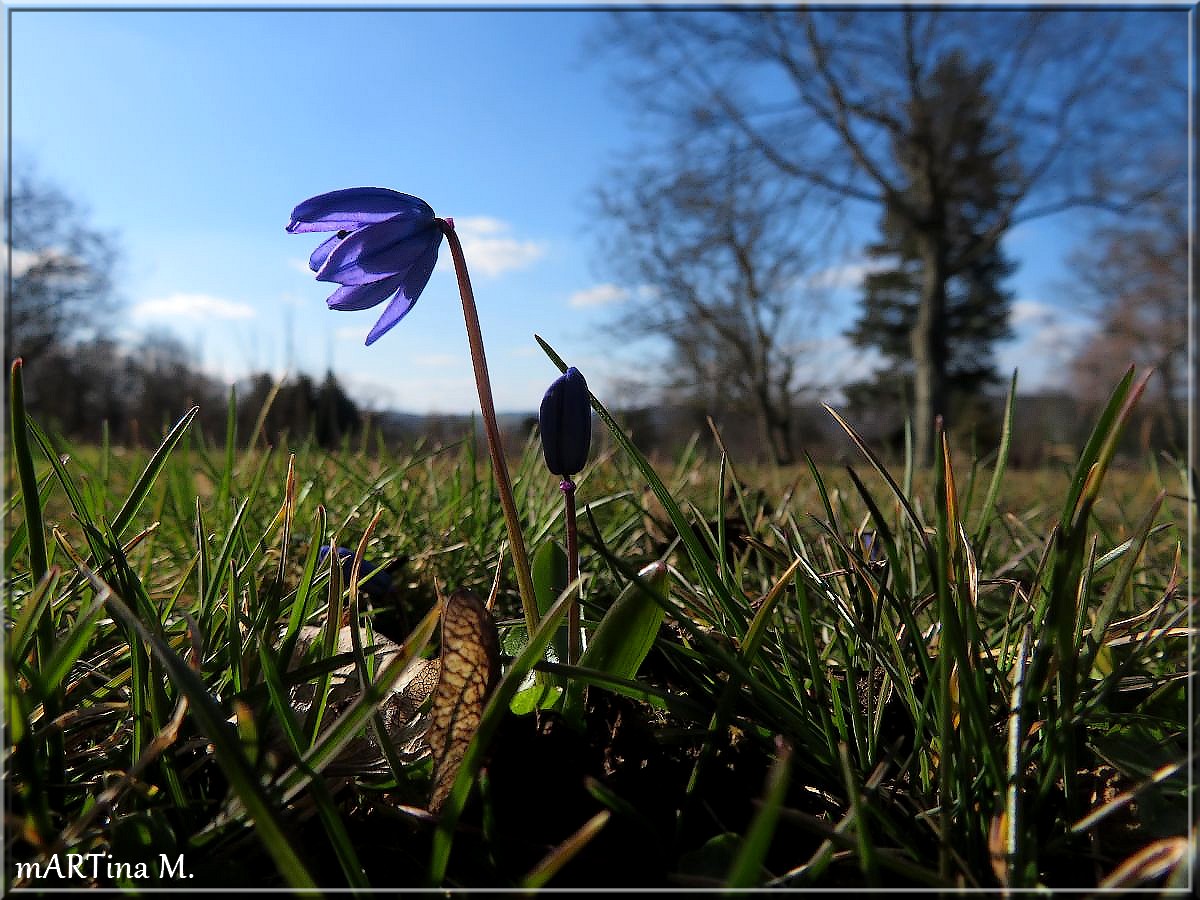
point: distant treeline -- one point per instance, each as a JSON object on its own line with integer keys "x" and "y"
{"x": 81, "y": 389}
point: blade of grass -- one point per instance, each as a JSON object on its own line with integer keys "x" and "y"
{"x": 553, "y": 862}
{"x": 987, "y": 512}
{"x": 747, "y": 867}
{"x": 700, "y": 559}
{"x": 229, "y": 755}
{"x": 34, "y": 608}
{"x": 493, "y": 714}
{"x": 146, "y": 480}
{"x": 335, "y": 828}
{"x": 43, "y": 625}
{"x": 334, "y": 738}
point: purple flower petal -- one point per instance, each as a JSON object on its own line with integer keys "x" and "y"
{"x": 395, "y": 311}
{"x": 351, "y": 208}
{"x": 413, "y": 283}
{"x": 376, "y": 251}
{"x": 418, "y": 276}
{"x": 322, "y": 252}
{"x": 364, "y": 296}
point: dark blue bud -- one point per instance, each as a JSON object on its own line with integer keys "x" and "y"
{"x": 376, "y": 587}
{"x": 565, "y": 422}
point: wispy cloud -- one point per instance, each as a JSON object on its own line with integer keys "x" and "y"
{"x": 610, "y": 294}
{"x": 24, "y": 260}
{"x": 300, "y": 265}
{"x": 600, "y": 295}
{"x": 1046, "y": 338}
{"x": 1030, "y": 312}
{"x": 490, "y": 247}
{"x": 850, "y": 274}
{"x": 192, "y": 306}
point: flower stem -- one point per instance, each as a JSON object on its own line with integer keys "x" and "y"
{"x": 573, "y": 636}
{"x": 495, "y": 448}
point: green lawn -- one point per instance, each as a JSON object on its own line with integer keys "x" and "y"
{"x": 845, "y": 676}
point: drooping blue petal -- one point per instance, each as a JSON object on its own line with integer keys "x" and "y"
{"x": 418, "y": 276}
{"x": 396, "y": 310}
{"x": 565, "y": 423}
{"x": 377, "y": 251}
{"x": 322, "y": 252}
{"x": 412, "y": 283}
{"x": 352, "y": 297}
{"x": 351, "y": 208}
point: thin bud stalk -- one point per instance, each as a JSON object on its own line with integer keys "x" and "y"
{"x": 574, "y": 643}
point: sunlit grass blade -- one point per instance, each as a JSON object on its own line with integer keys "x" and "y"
{"x": 493, "y": 714}
{"x": 361, "y": 663}
{"x": 34, "y": 609}
{"x": 228, "y": 753}
{"x": 549, "y": 573}
{"x": 748, "y": 865}
{"x": 331, "y": 819}
{"x": 1117, "y": 587}
{"x": 553, "y": 862}
{"x": 18, "y": 539}
{"x": 342, "y": 730}
{"x": 624, "y": 636}
{"x": 145, "y": 481}
{"x": 26, "y": 476}
{"x": 71, "y": 646}
{"x": 988, "y": 510}
{"x": 25, "y": 770}
{"x": 42, "y": 626}
{"x": 300, "y": 604}
{"x": 902, "y": 495}
{"x": 225, "y": 482}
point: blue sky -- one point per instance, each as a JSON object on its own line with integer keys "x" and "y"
{"x": 193, "y": 134}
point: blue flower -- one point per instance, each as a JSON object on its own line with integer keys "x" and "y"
{"x": 565, "y": 422}
{"x": 385, "y": 248}
{"x": 376, "y": 587}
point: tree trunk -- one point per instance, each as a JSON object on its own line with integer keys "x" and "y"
{"x": 1175, "y": 420}
{"x": 776, "y": 426}
{"x": 928, "y": 341}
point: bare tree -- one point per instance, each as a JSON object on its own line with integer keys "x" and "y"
{"x": 838, "y": 100}
{"x": 1137, "y": 274}
{"x": 713, "y": 261}
{"x": 62, "y": 285}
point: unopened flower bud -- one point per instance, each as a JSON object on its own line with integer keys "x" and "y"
{"x": 565, "y": 422}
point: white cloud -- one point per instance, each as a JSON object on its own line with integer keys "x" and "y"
{"x": 24, "y": 260}
{"x": 192, "y": 306}
{"x": 825, "y": 364}
{"x": 300, "y": 265}
{"x": 848, "y": 275}
{"x": 610, "y": 294}
{"x": 490, "y": 248}
{"x": 1046, "y": 339}
{"x": 600, "y": 295}
{"x": 1035, "y": 312}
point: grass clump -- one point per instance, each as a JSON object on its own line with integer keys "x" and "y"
{"x": 860, "y": 677}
